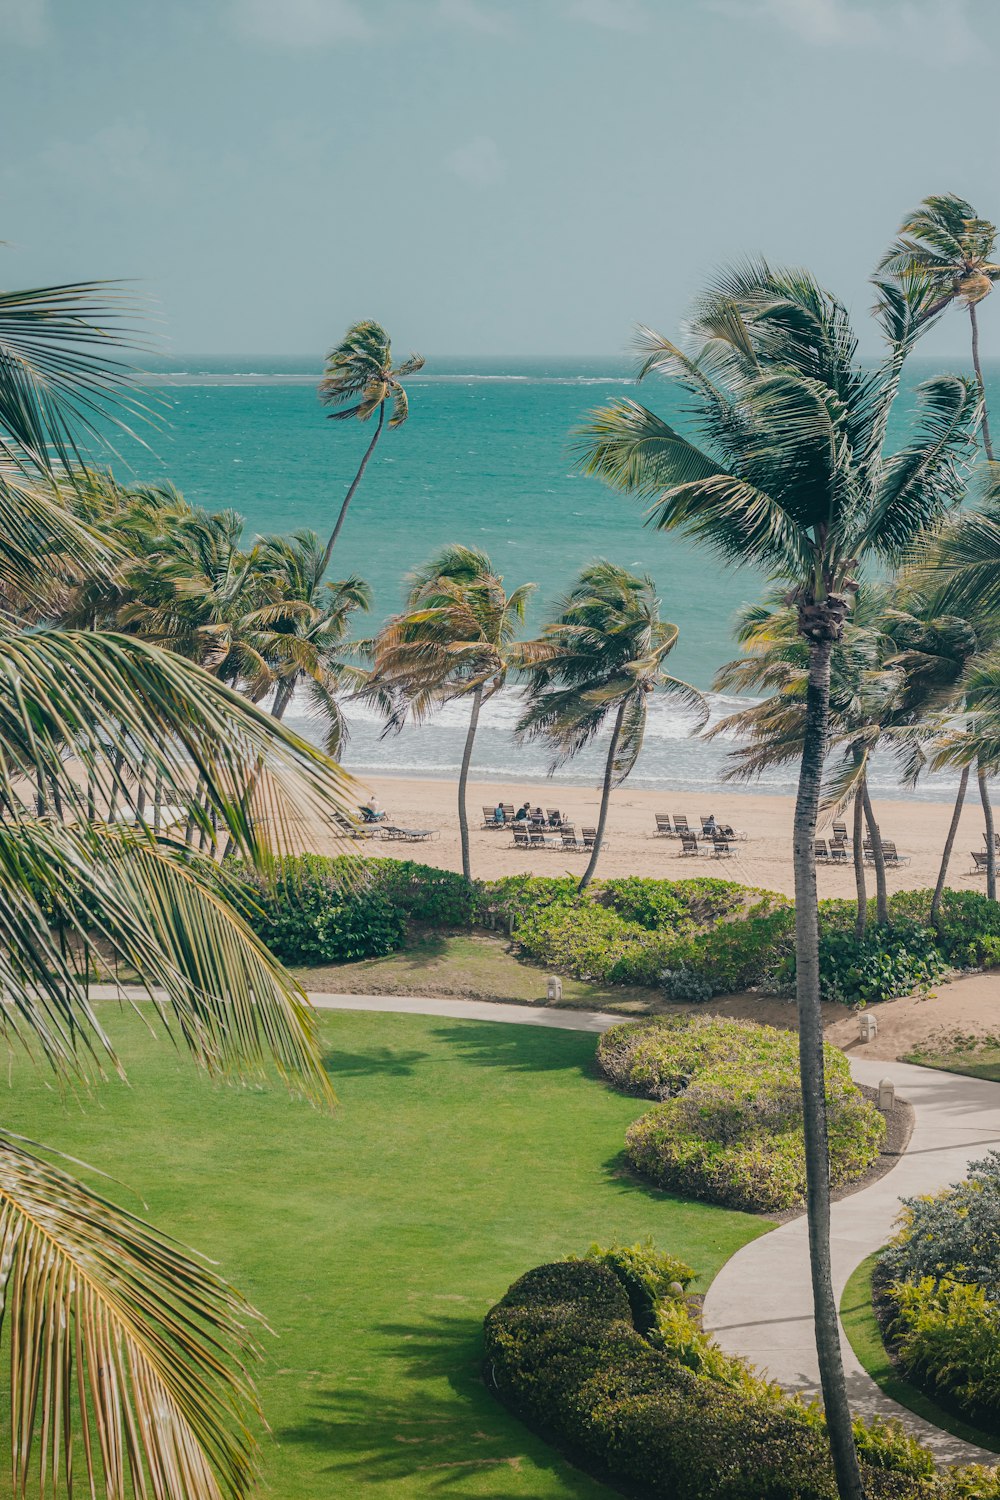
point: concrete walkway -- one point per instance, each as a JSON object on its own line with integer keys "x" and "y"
{"x": 760, "y": 1303}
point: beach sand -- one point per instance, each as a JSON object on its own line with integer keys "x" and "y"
{"x": 631, "y": 847}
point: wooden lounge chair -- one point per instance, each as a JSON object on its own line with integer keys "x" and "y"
{"x": 589, "y": 837}
{"x": 508, "y": 811}
{"x": 490, "y": 818}
{"x": 892, "y": 856}
{"x": 840, "y": 833}
{"x": 996, "y": 841}
{"x": 554, "y": 816}
{"x": 979, "y": 862}
{"x": 727, "y": 831}
{"x": 709, "y": 827}
{"x": 663, "y": 825}
{"x": 681, "y": 824}
{"x": 521, "y": 839}
{"x": 689, "y": 843}
{"x": 569, "y": 839}
{"x": 821, "y": 852}
{"x": 722, "y": 848}
{"x": 537, "y": 839}
{"x": 838, "y": 854}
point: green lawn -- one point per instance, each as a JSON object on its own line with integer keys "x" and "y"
{"x": 462, "y": 1153}
{"x": 472, "y": 966}
{"x": 861, "y": 1327}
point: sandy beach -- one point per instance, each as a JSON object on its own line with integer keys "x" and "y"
{"x": 632, "y": 848}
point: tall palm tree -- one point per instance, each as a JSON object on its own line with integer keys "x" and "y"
{"x": 361, "y": 381}
{"x": 601, "y": 659}
{"x": 121, "y": 1346}
{"x": 455, "y": 639}
{"x": 786, "y": 467}
{"x": 944, "y": 245}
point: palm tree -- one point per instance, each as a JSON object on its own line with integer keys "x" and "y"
{"x": 600, "y": 659}
{"x": 301, "y": 631}
{"x": 864, "y": 694}
{"x": 944, "y": 245}
{"x": 359, "y": 370}
{"x": 786, "y": 467}
{"x": 121, "y": 1346}
{"x": 455, "y": 639}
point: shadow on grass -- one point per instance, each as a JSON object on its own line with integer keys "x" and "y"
{"x": 371, "y": 1436}
{"x": 393, "y": 1062}
{"x": 526, "y": 1049}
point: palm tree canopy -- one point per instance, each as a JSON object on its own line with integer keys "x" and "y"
{"x": 604, "y": 652}
{"x": 456, "y": 635}
{"x": 785, "y": 463}
{"x": 945, "y": 244}
{"x": 359, "y": 377}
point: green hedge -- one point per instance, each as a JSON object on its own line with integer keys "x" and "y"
{"x": 730, "y": 1127}
{"x": 667, "y": 1415}
{"x": 941, "y": 1276}
{"x": 691, "y": 938}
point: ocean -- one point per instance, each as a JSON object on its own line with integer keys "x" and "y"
{"x": 487, "y": 459}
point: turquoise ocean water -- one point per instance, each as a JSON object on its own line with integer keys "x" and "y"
{"x": 486, "y": 459}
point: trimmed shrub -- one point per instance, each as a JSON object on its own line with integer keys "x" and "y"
{"x": 943, "y": 1288}
{"x": 668, "y": 1415}
{"x": 730, "y": 1127}
{"x": 307, "y": 915}
{"x": 684, "y": 985}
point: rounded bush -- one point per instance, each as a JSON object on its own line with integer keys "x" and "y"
{"x": 680, "y": 985}
{"x": 729, "y": 1128}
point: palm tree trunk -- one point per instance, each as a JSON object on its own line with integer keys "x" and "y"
{"x": 463, "y": 781}
{"x": 987, "y": 444}
{"x": 350, "y": 493}
{"x": 859, "y": 865}
{"x": 949, "y": 844}
{"x": 811, "y": 1065}
{"x": 609, "y": 768}
{"x": 878, "y": 859}
{"x": 991, "y": 843}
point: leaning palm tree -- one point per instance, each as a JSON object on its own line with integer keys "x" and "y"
{"x": 125, "y": 1355}
{"x": 361, "y": 381}
{"x": 455, "y": 639}
{"x": 785, "y": 466}
{"x": 947, "y": 248}
{"x": 601, "y": 658}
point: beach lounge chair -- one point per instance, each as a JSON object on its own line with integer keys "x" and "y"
{"x": 589, "y": 837}
{"x": 508, "y": 811}
{"x": 681, "y": 824}
{"x": 709, "y": 827}
{"x": 490, "y": 818}
{"x": 996, "y": 841}
{"x": 408, "y": 835}
{"x": 840, "y": 833}
{"x": 663, "y": 825}
{"x": 554, "y": 816}
{"x": 978, "y": 863}
{"x": 689, "y": 843}
{"x": 838, "y": 854}
{"x": 569, "y": 839}
{"x": 821, "y": 851}
{"x": 521, "y": 839}
{"x": 892, "y": 856}
{"x": 537, "y": 839}
{"x": 727, "y": 831}
{"x": 722, "y": 848}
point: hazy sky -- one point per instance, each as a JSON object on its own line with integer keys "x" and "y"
{"x": 483, "y": 176}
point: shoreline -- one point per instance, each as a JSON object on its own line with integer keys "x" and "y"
{"x": 764, "y": 860}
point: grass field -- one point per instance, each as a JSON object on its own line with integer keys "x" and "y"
{"x": 474, "y": 966}
{"x": 861, "y": 1327}
{"x": 977, "y": 1057}
{"x": 374, "y": 1240}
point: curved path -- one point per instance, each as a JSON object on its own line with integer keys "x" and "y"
{"x": 760, "y": 1303}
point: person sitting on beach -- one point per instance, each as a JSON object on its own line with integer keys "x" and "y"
{"x": 370, "y": 811}
{"x": 523, "y": 813}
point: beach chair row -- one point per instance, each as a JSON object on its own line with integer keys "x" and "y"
{"x": 835, "y": 853}
{"x": 549, "y": 817}
{"x": 710, "y": 829}
{"x": 534, "y": 838}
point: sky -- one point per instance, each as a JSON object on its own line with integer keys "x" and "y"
{"x": 484, "y": 177}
